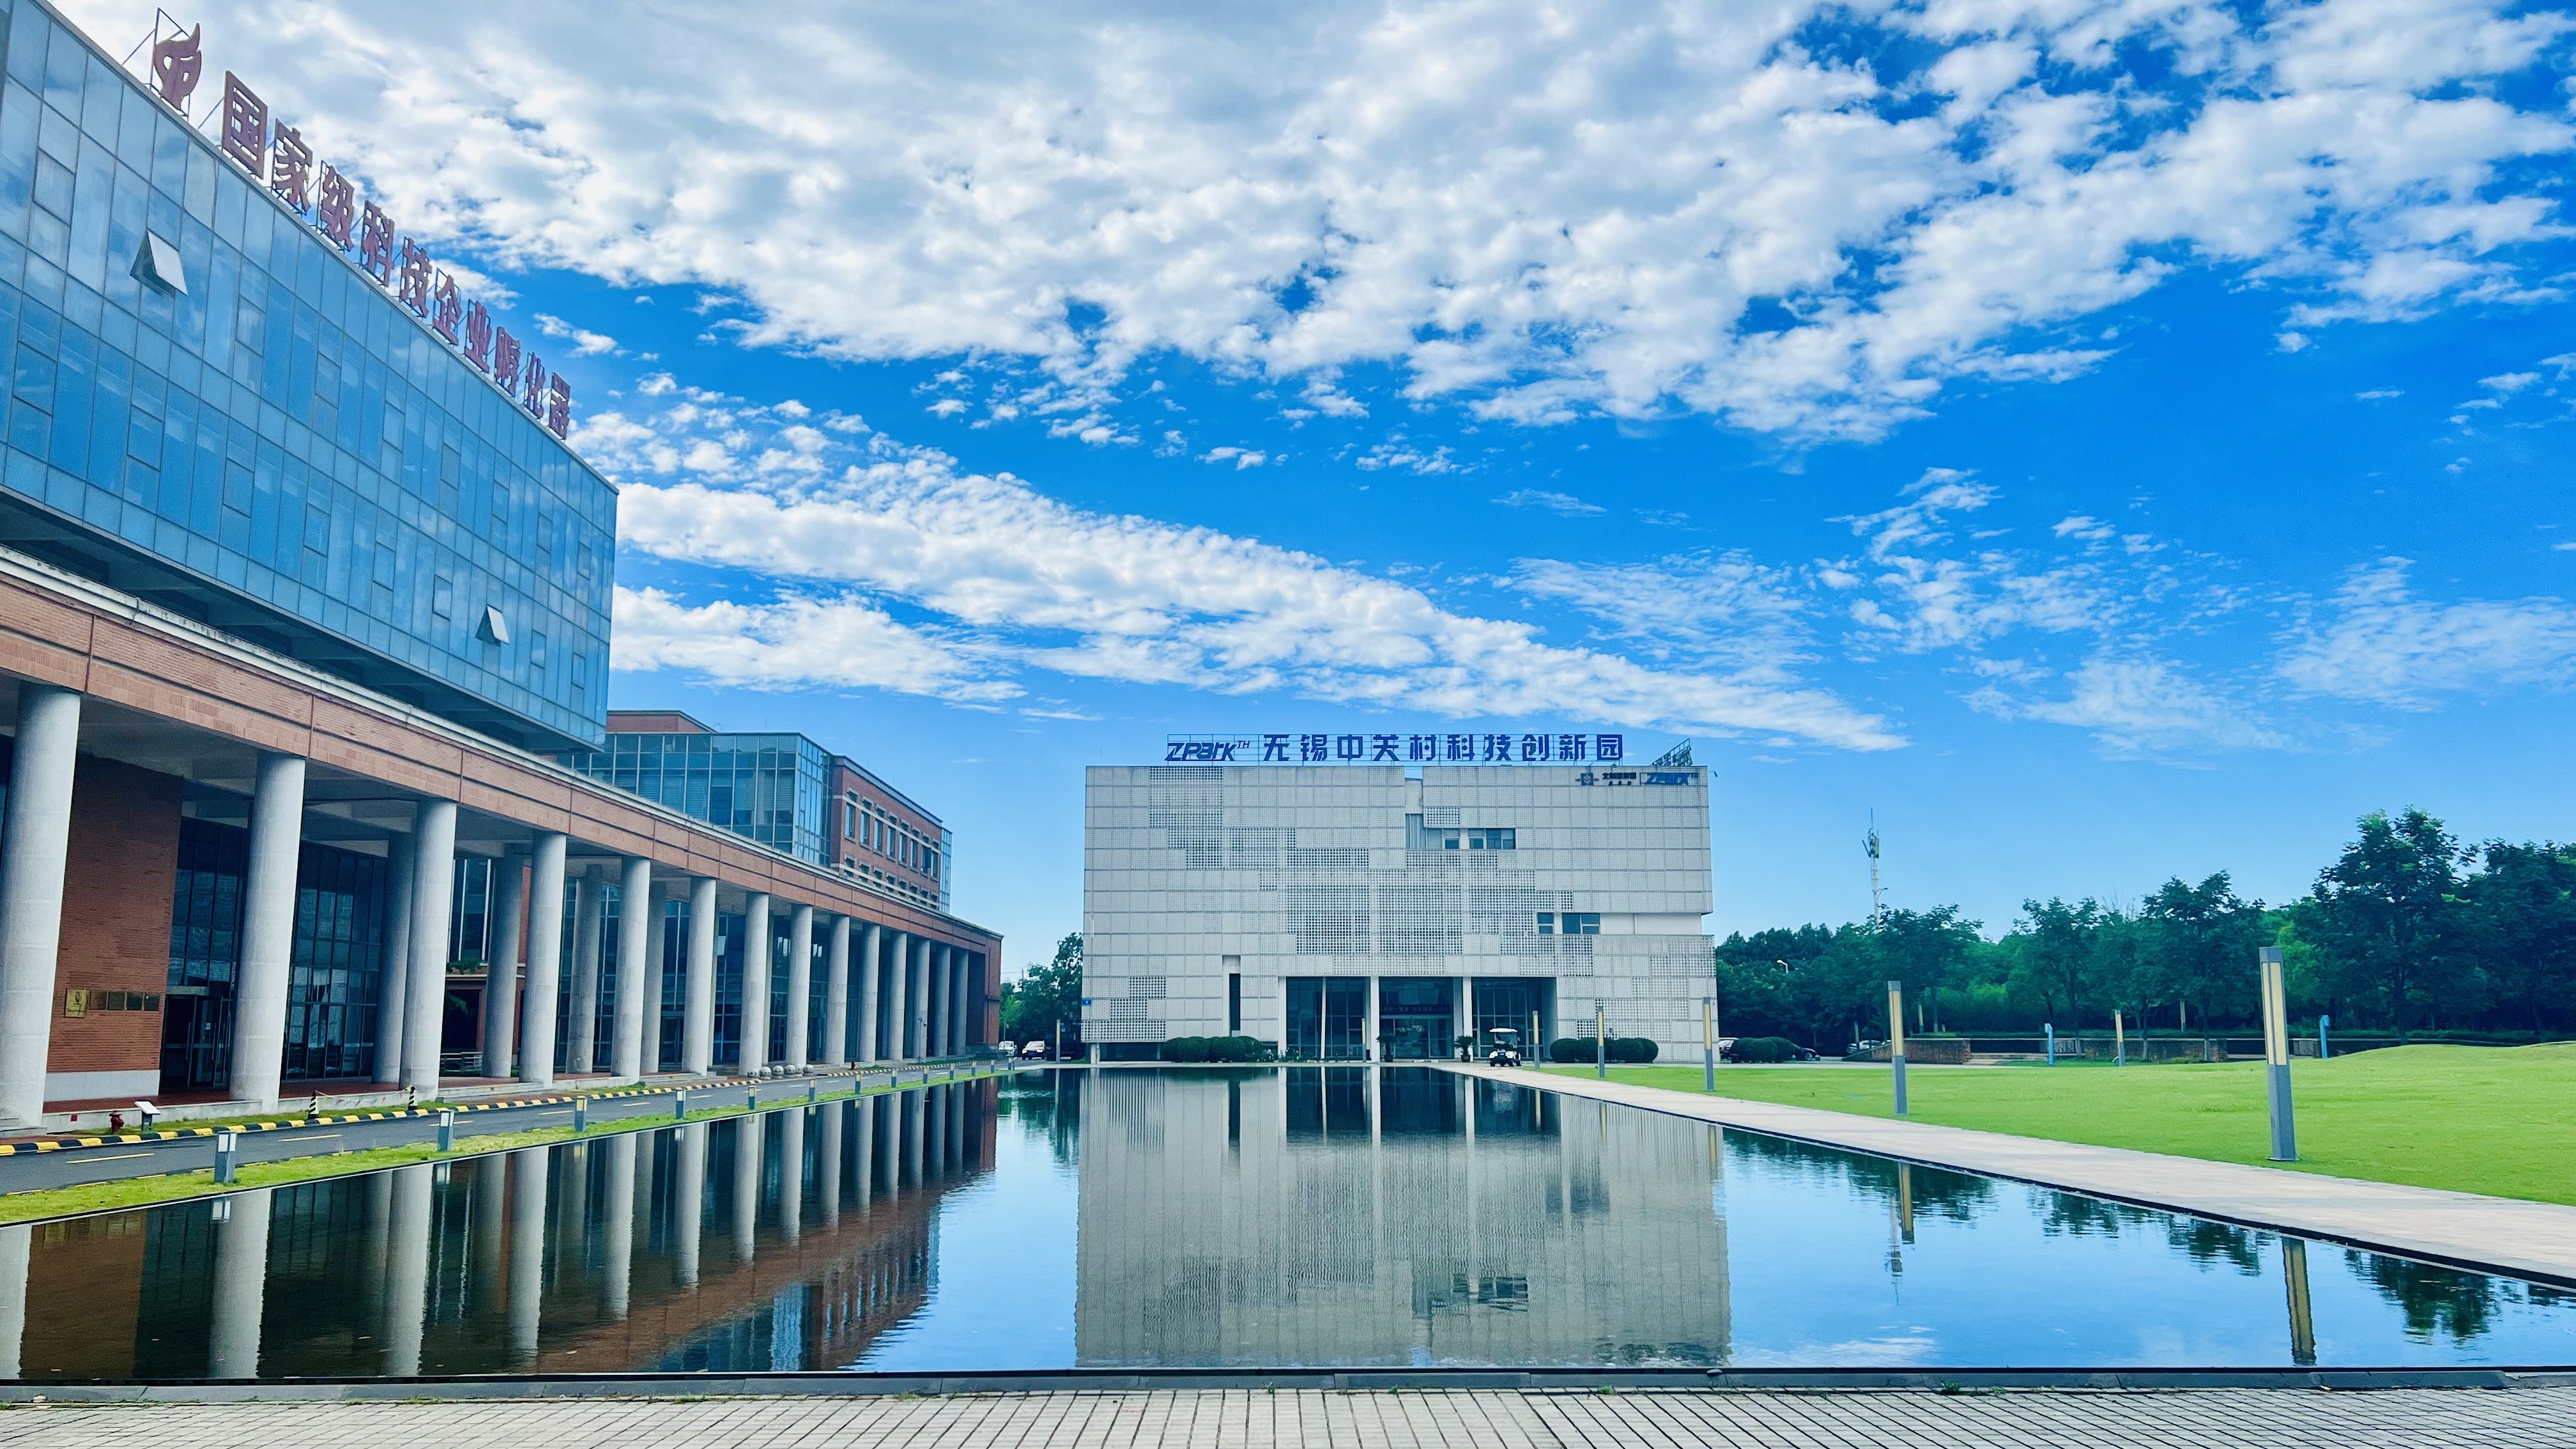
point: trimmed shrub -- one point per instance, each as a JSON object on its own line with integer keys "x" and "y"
{"x": 1633, "y": 1049}
{"x": 1762, "y": 1049}
{"x": 1570, "y": 1049}
{"x": 1218, "y": 1049}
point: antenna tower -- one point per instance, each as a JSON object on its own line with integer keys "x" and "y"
{"x": 1870, "y": 843}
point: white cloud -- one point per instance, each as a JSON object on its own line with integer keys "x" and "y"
{"x": 1564, "y": 503}
{"x": 1925, "y": 598}
{"x": 2138, "y": 705}
{"x": 2376, "y": 641}
{"x": 1586, "y": 208}
{"x": 2509, "y": 383}
{"x": 1723, "y": 607}
{"x": 584, "y": 343}
{"x": 1016, "y": 581}
{"x": 1242, "y": 458}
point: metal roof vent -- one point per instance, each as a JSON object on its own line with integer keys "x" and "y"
{"x": 494, "y": 629}
{"x": 157, "y": 264}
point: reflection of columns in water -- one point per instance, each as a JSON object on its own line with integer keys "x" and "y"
{"x": 491, "y": 1218}
{"x": 527, "y": 1252}
{"x": 17, "y": 1244}
{"x": 746, "y": 1184}
{"x": 912, "y": 1115}
{"x": 620, "y": 1224}
{"x": 407, "y": 1269}
{"x": 569, "y": 1229}
{"x": 241, "y": 1285}
{"x": 375, "y": 1247}
{"x": 2303, "y": 1325}
{"x": 864, "y": 1151}
{"x": 828, "y": 1171}
{"x": 688, "y": 1202}
{"x": 791, "y": 1173}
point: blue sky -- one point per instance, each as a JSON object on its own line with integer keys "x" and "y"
{"x": 2106, "y": 441}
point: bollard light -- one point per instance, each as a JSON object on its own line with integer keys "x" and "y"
{"x": 2049, "y": 1029}
{"x": 1600, "y": 1043}
{"x": 2325, "y": 1047}
{"x": 813, "y": 1093}
{"x": 1896, "y": 1039}
{"x": 1708, "y": 1044}
{"x": 2119, "y": 1041}
{"x": 447, "y": 1129}
{"x": 580, "y": 1115}
{"x": 225, "y": 1143}
{"x": 679, "y": 1104}
{"x": 751, "y": 1100}
{"x": 2276, "y": 1055}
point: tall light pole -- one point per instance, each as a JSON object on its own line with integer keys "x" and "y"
{"x": 2276, "y": 1055}
{"x": 1708, "y": 1040}
{"x": 1896, "y": 1039}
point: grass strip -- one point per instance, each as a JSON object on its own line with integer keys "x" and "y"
{"x": 133, "y": 1192}
{"x": 2490, "y": 1120}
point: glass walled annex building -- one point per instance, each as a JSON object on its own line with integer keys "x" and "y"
{"x": 302, "y": 591}
{"x": 1376, "y": 912}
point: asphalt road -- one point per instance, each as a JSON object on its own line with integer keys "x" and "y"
{"x": 114, "y": 1161}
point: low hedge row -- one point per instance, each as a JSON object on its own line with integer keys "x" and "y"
{"x": 1629, "y": 1050}
{"x": 1219, "y": 1049}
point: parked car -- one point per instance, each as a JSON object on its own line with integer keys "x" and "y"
{"x": 1033, "y": 1051}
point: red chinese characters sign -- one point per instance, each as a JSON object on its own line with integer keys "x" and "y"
{"x": 277, "y": 156}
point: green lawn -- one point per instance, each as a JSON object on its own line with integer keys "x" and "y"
{"x": 2495, "y": 1120}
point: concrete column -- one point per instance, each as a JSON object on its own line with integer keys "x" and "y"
{"x": 655, "y": 967}
{"x": 757, "y": 958}
{"x": 688, "y": 1202}
{"x": 590, "y": 918}
{"x": 917, "y": 1029}
{"x": 1368, "y": 1029}
{"x": 425, "y": 994}
{"x": 791, "y": 1173}
{"x": 800, "y": 986}
{"x": 898, "y": 1045}
{"x": 268, "y": 934}
{"x": 407, "y": 1269}
{"x": 747, "y": 1143}
{"x": 871, "y": 966}
{"x": 17, "y": 1250}
{"x": 962, "y": 1002}
{"x": 38, "y": 833}
{"x": 836, "y": 995}
{"x": 620, "y": 1224}
{"x": 545, "y": 960}
{"x": 635, "y": 905}
{"x": 527, "y": 1253}
{"x": 501, "y": 991}
{"x": 698, "y": 1021}
{"x": 934, "y": 1025}
{"x": 241, "y": 1280}
{"x": 393, "y": 975}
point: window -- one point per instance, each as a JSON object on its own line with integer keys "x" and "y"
{"x": 442, "y": 596}
{"x": 1547, "y": 923}
{"x": 1581, "y": 923}
{"x": 1488, "y": 840}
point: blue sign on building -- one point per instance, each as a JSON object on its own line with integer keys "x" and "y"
{"x": 1396, "y": 749}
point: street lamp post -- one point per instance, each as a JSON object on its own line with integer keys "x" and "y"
{"x": 2276, "y": 1055}
{"x": 1708, "y": 1043}
{"x": 1896, "y": 1039}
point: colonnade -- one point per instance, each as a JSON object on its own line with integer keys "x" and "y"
{"x": 833, "y": 1194}
{"x": 916, "y": 997}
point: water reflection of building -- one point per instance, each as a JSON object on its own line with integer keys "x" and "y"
{"x": 1347, "y": 1216}
{"x": 788, "y": 1240}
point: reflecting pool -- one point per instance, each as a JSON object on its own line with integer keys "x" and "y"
{"x": 1189, "y": 1217}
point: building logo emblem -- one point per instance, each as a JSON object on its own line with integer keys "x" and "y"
{"x": 177, "y": 63}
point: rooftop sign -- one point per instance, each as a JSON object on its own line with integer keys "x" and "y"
{"x": 277, "y": 157}
{"x": 1478, "y": 749}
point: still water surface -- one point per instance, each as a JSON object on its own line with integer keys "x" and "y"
{"x": 1300, "y": 1216}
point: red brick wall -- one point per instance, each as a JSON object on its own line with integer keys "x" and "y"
{"x": 116, "y": 913}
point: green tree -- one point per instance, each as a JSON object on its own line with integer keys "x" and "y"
{"x": 1046, "y": 996}
{"x": 2384, "y": 918}
{"x": 1927, "y": 950}
{"x": 2519, "y": 920}
{"x": 2196, "y": 946}
{"x": 2057, "y": 965}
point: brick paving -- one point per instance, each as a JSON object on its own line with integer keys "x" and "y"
{"x": 2520, "y": 1239}
{"x": 2527, "y": 1418}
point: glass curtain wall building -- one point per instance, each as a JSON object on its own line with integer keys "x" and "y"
{"x": 255, "y": 433}
{"x": 768, "y": 788}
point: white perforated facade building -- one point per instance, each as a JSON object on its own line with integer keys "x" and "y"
{"x": 1349, "y": 912}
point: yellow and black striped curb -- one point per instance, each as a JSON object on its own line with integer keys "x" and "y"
{"x": 64, "y": 1144}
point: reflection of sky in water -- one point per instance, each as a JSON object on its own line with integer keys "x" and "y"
{"x": 1208, "y": 1218}
{"x": 1002, "y": 1295}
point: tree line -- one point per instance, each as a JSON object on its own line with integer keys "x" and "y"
{"x": 2409, "y": 930}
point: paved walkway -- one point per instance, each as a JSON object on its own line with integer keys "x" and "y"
{"x": 1293, "y": 1419}
{"x": 2525, "y": 1239}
